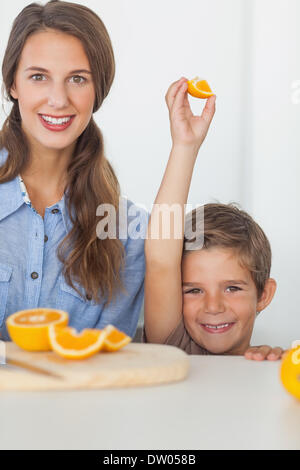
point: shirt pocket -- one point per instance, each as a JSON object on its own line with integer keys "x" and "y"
{"x": 5, "y": 276}
{"x": 83, "y": 313}
{"x": 69, "y": 294}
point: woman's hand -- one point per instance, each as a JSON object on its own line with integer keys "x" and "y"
{"x": 187, "y": 129}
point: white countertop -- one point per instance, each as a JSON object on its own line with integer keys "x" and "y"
{"x": 225, "y": 403}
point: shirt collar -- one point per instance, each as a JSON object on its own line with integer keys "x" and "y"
{"x": 12, "y": 197}
{"x": 64, "y": 212}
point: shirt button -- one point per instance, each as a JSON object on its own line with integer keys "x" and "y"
{"x": 34, "y": 275}
{"x": 55, "y": 211}
{"x": 88, "y": 297}
{"x": 45, "y": 238}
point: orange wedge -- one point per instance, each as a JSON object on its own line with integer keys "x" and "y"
{"x": 70, "y": 344}
{"x": 29, "y": 328}
{"x": 115, "y": 339}
{"x": 290, "y": 371}
{"x": 199, "y": 88}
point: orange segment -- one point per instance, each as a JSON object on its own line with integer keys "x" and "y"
{"x": 70, "y": 344}
{"x": 30, "y": 318}
{"x": 29, "y": 328}
{"x": 290, "y": 372}
{"x": 199, "y": 88}
{"x": 115, "y": 339}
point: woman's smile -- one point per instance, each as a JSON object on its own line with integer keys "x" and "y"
{"x": 56, "y": 123}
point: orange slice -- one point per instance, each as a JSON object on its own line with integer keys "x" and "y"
{"x": 290, "y": 371}
{"x": 115, "y": 339}
{"x": 199, "y": 88}
{"x": 70, "y": 344}
{"x": 29, "y": 328}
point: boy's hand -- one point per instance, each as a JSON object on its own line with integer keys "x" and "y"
{"x": 187, "y": 129}
{"x": 260, "y": 353}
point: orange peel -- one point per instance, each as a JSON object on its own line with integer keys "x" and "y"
{"x": 115, "y": 339}
{"x": 199, "y": 88}
{"x": 29, "y": 328}
{"x": 70, "y": 344}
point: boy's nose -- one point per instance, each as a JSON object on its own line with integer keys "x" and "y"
{"x": 214, "y": 304}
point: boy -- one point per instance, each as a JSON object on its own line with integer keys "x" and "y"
{"x": 205, "y": 299}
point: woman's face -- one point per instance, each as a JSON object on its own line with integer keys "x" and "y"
{"x": 53, "y": 81}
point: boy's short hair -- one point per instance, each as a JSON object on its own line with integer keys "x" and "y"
{"x": 227, "y": 226}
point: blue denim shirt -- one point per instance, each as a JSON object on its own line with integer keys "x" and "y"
{"x": 31, "y": 274}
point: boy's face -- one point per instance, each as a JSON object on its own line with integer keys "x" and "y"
{"x": 219, "y": 300}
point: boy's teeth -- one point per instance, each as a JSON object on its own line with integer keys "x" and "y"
{"x": 55, "y": 120}
{"x": 218, "y": 326}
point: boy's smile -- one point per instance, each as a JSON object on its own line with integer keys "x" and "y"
{"x": 219, "y": 300}
{"x": 218, "y": 328}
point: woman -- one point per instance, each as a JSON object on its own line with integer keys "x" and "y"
{"x": 58, "y": 68}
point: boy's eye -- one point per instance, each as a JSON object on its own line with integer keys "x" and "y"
{"x": 192, "y": 291}
{"x": 233, "y": 288}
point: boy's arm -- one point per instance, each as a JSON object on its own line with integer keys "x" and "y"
{"x": 163, "y": 250}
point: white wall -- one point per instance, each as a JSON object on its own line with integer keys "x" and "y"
{"x": 155, "y": 44}
{"x": 247, "y": 49}
{"x": 275, "y": 193}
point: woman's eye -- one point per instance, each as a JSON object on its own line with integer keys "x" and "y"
{"x": 37, "y": 77}
{"x": 78, "y": 79}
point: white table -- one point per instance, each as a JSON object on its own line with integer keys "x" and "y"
{"x": 225, "y": 403}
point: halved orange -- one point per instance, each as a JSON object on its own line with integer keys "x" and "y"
{"x": 70, "y": 344}
{"x": 115, "y": 339}
{"x": 290, "y": 371}
{"x": 29, "y": 328}
{"x": 199, "y": 88}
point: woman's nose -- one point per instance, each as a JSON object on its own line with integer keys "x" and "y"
{"x": 214, "y": 303}
{"x": 58, "y": 97}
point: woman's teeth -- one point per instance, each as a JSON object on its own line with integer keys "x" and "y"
{"x": 55, "y": 120}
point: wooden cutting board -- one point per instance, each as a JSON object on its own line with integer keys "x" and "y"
{"x": 135, "y": 364}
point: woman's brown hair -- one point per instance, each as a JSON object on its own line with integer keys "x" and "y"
{"x": 227, "y": 226}
{"x": 96, "y": 264}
